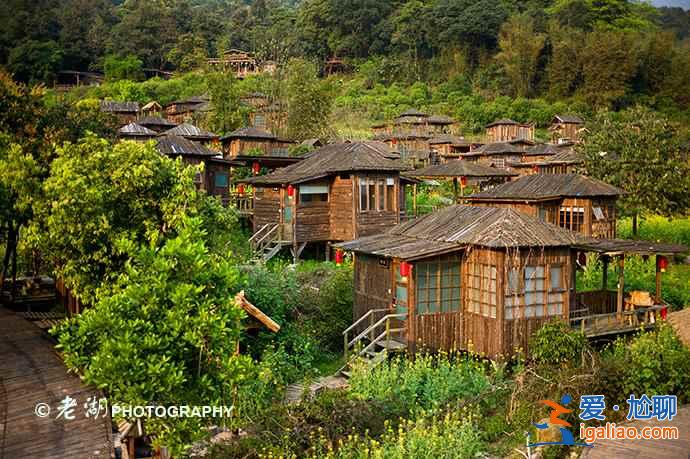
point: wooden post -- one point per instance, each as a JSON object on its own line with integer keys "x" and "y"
{"x": 658, "y": 281}
{"x": 621, "y": 285}
{"x": 371, "y": 324}
{"x": 605, "y": 273}
{"x": 414, "y": 199}
{"x": 388, "y": 334}
{"x": 455, "y": 189}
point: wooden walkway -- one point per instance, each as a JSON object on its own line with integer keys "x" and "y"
{"x": 647, "y": 449}
{"x": 31, "y": 373}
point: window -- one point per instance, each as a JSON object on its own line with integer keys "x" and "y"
{"x": 572, "y": 218}
{"x": 376, "y": 194}
{"x": 482, "y": 289}
{"x": 530, "y": 294}
{"x": 221, "y": 180}
{"x": 259, "y": 120}
{"x": 543, "y": 215}
{"x": 438, "y": 286}
{"x": 400, "y": 294}
{"x": 313, "y": 193}
{"x": 500, "y": 162}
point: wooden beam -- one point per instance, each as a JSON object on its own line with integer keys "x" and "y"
{"x": 658, "y": 281}
{"x": 255, "y": 312}
{"x": 621, "y": 285}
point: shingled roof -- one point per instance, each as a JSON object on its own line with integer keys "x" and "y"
{"x": 248, "y": 133}
{"x": 333, "y": 159}
{"x": 567, "y": 156}
{"x": 450, "y": 139}
{"x": 135, "y": 130}
{"x": 440, "y": 119}
{"x": 496, "y": 148}
{"x": 502, "y": 121}
{"x": 548, "y": 186}
{"x": 156, "y": 121}
{"x": 542, "y": 149}
{"x": 459, "y": 168}
{"x": 173, "y": 145}
{"x": 457, "y": 227}
{"x": 112, "y": 106}
{"x": 413, "y": 112}
{"x": 574, "y": 119}
{"x": 189, "y": 131}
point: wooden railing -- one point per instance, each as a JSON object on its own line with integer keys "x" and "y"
{"x": 611, "y": 323}
{"x": 371, "y": 333}
{"x": 264, "y": 237}
{"x": 594, "y": 302}
{"x": 243, "y": 203}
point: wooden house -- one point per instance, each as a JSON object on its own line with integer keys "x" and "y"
{"x": 505, "y": 130}
{"x": 68, "y": 79}
{"x": 413, "y": 147}
{"x": 334, "y": 65}
{"x": 446, "y": 147}
{"x": 482, "y": 279}
{"x": 125, "y": 112}
{"x": 256, "y": 100}
{"x": 194, "y": 133}
{"x": 249, "y": 140}
{"x": 272, "y": 118}
{"x": 182, "y": 111}
{"x": 336, "y": 193}
{"x": 215, "y": 178}
{"x": 241, "y": 63}
{"x": 575, "y": 202}
{"x": 137, "y": 132}
{"x": 559, "y": 159}
{"x": 156, "y": 123}
{"x": 497, "y": 154}
{"x": 566, "y": 127}
{"x": 463, "y": 174}
{"x": 152, "y": 108}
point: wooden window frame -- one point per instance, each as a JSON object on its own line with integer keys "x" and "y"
{"x": 515, "y": 302}
{"x": 380, "y": 199}
{"x": 482, "y": 289}
{"x": 439, "y": 276}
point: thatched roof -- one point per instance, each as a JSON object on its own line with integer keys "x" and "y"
{"x": 172, "y": 145}
{"x": 459, "y": 168}
{"x": 496, "y": 148}
{"x": 112, "y": 106}
{"x": 549, "y": 186}
{"x": 333, "y": 159}
{"x": 135, "y": 130}
{"x": 457, "y": 227}
{"x": 189, "y": 131}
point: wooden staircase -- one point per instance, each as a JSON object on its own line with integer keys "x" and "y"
{"x": 375, "y": 342}
{"x": 266, "y": 242}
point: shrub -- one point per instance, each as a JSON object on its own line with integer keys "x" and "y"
{"x": 556, "y": 343}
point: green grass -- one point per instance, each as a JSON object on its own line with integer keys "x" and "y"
{"x": 657, "y": 228}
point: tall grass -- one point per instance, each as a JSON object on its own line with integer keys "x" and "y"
{"x": 657, "y": 228}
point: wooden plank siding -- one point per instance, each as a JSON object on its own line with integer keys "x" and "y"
{"x": 312, "y": 221}
{"x": 373, "y": 281}
{"x": 266, "y": 207}
{"x": 342, "y": 207}
{"x": 376, "y": 221}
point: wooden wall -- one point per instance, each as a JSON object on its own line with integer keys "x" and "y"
{"x": 342, "y": 208}
{"x": 312, "y": 221}
{"x": 375, "y": 222}
{"x": 266, "y": 207}
{"x": 373, "y": 279}
{"x": 505, "y": 132}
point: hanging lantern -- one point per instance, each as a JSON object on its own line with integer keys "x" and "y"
{"x": 582, "y": 259}
{"x": 661, "y": 264}
{"x": 463, "y": 181}
{"x": 339, "y": 257}
{"x": 290, "y": 190}
{"x": 256, "y": 168}
{"x": 405, "y": 269}
{"x": 664, "y": 313}
{"x": 240, "y": 189}
{"x": 394, "y": 141}
{"x": 535, "y": 169}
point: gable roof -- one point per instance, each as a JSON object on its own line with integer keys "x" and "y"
{"x": 574, "y": 119}
{"x": 248, "y": 133}
{"x": 413, "y": 112}
{"x": 173, "y": 145}
{"x": 502, "y": 121}
{"x": 135, "y": 130}
{"x": 460, "y": 168}
{"x": 549, "y": 186}
{"x": 542, "y": 149}
{"x": 440, "y": 119}
{"x": 189, "y": 131}
{"x": 566, "y": 156}
{"x": 112, "y": 106}
{"x": 450, "y": 139}
{"x": 457, "y": 227}
{"x": 496, "y": 148}
{"x": 333, "y": 159}
{"x": 155, "y": 121}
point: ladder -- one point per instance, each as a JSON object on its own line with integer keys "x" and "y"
{"x": 375, "y": 341}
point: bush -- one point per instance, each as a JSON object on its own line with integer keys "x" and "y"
{"x": 556, "y": 343}
{"x": 654, "y": 362}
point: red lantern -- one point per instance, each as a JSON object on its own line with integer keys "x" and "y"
{"x": 535, "y": 169}
{"x": 662, "y": 264}
{"x": 291, "y": 190}
{"x": 664, "y": 313}
{"x": 405, "y": 269}
{"x": 394, "y": 141}
{"x": 582, "y": 259}
{"x": 240, "y": 189}
{"x": 339, "y": 257}
{"x": 463, "y": 181}
{"x": 256, "y": 168}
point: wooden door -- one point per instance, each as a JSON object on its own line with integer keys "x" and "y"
{"x": 287, "y": 222}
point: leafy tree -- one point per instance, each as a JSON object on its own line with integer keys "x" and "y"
{"x": 409, "y": 32}
{"x": 34, "y": 61}
{"x": 164, "y": 333}
{"x": 640, "y": 152}
{"x": 228, "y": 114}
{"x": 520, "y": 49}
{"x": 123, "y": 68}
{"x": 188, "y": 53}
{"x": 309, "y": 101}
{"x": 563, "y": 70}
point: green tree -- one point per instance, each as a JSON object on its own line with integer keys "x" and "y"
{"x": 122, "y": 67}
{"x": 640, "y": 152}
{"x": 309, "y": 101}
{"x": 228, "y": 113}
{"x": 188, "y": 53}
{"x": 562, "y": 70}
{"x": 520, "y": 48}
{"x": 33, "y": 61}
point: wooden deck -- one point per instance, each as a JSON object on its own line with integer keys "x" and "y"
{"x": 30, "y": 373}
{"x": 647, "y": 449}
